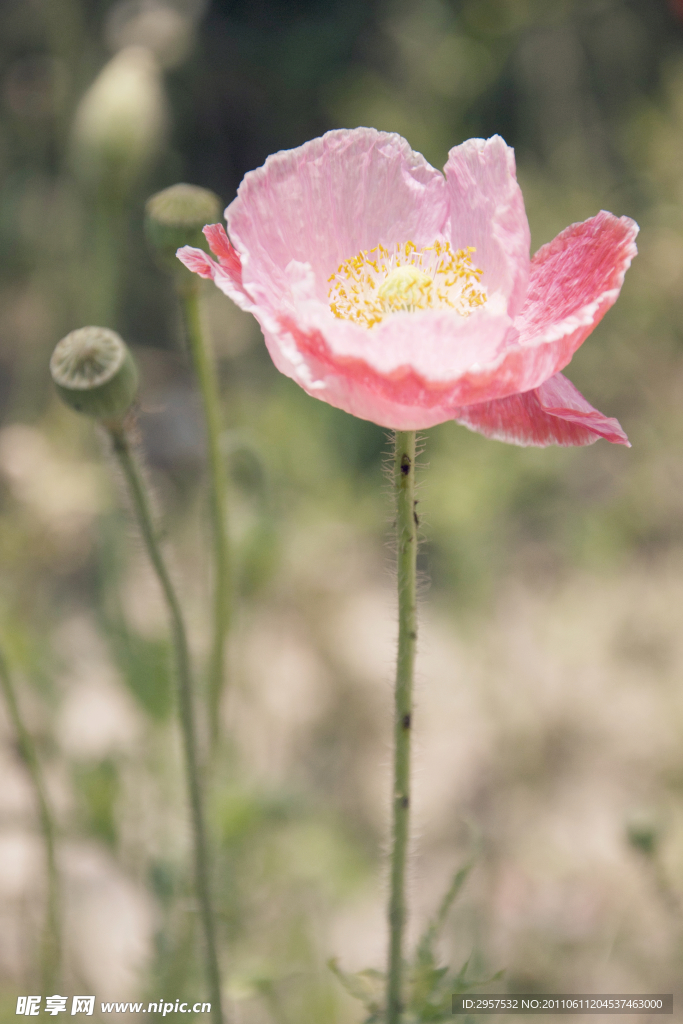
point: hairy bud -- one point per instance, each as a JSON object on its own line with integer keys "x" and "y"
{"x": 176, "y": 216}
{"x": 94, "y": 372}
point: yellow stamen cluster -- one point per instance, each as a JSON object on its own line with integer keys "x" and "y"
{"x": 368, "y": 287}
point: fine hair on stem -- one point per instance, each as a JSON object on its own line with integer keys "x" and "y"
{"x": 119, "y": 432}
{"x": 406, "y": 577}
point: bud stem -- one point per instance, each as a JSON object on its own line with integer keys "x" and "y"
{"x": 51, "y": 942}
{"x": 206, "y": 376}
{"x": 406, "y": 542}
{"x": 143, "y": 513}
{"x": 102, "y": 277}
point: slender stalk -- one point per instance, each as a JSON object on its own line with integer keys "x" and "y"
{"x": 143, "y": 512}
{"x": 51, "y": 942}
{"x": 406, "y": 538}
{"x": 101, "y": 282}
{"x": 206, "y": 376}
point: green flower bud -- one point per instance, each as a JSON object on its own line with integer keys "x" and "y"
{"x": 94, "y": 373}
{"x": 176, "y": 216}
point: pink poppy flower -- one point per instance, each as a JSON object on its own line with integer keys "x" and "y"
{"x": 408, "y": 297}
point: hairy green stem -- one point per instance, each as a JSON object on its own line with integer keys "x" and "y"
{"x": 206, "y": 376}
{"x": 51, "y": 942}
{"x": 143, "y": 511}
{"x": 406, "y": 542}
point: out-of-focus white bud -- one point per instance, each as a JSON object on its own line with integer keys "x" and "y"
{"x": 160, "y": 27}
{"x": 121, "y": 121}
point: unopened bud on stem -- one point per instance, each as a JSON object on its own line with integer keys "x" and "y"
{"x": 176, "y": 216}
{"x": 94, "y": 372}
{"x": 121, "y": 121}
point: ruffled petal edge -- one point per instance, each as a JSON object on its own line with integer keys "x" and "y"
{"x": 487, "y": 212}
{"x": 575, "y": 279}
{"x": 225, "y": 271}
{"x": 554, "y": 413}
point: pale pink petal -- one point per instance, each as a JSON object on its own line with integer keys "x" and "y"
{"x": 452, "y": 360}
{"x": 325, "y": 201}
{"x": 197, "y": 261}
{"x": 226, "y": 273}
{"x": 438, "y": 346}
{"x": 307, "y": 210}
{"x": 399, "y": 397}
{"x": 574, "y": 281}
{"x": 554, "y": 413}
{"x": 487, "y": 212}
{"x": 400, "y": 403}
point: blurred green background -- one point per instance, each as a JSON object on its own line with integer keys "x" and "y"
{"x": 550, "y": 700}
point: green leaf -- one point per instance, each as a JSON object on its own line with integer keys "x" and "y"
{"x": 460, "y": 985}
{"x": 425, "y": 949}
{"x": 460, "y": 977}
{"x": 146, "y": 667}
{"x": 424, "y": 983}
{"x": 365, "y": 986}
{"x": 429, "y": 988}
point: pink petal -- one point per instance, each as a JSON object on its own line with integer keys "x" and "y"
{"x": 306, "y": 210}
{"x": 227, "y": 273}
{"x": 554, "y": 413}
{"x": 399, "y": 397}
{"x": 197, "y": 261}
{"x": 487, "y": 212}
{"x": 439, "y": 346}
{"x": 220, "y": 246}
{"x": 325, "y": 201}
{"x": 574, "y": 281}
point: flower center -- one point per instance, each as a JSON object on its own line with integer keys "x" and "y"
{"x": 405, "y": 288}
{"x": 368, "y": 287}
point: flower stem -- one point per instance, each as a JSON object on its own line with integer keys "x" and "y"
{"x": 51, "y": 942}
{"x": 406, "y": 538}
{"x": 142, "y": 507}
{"x": 206, "y": 376}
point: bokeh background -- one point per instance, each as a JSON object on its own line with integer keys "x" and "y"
{"x": 549, "y": 717}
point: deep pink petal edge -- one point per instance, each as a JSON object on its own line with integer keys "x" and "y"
{"x": 575, "y": 279}
{"x": 224, "y": 250}
{"x": 226, "y": 272}
{"x": 554, "y": 413}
